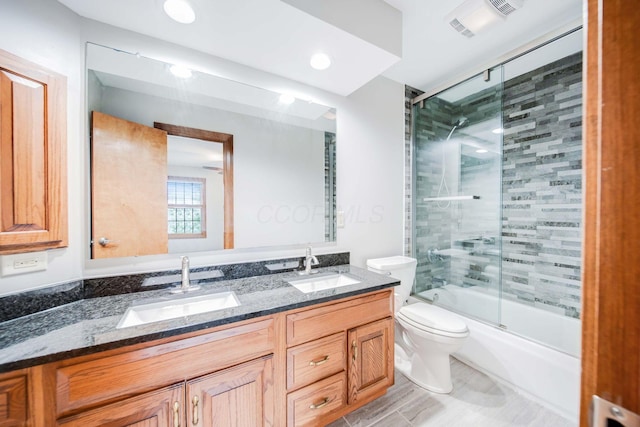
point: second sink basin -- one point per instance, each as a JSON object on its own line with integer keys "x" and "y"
{"x": 175, "y": 307}
{"x": 322, "y": 281}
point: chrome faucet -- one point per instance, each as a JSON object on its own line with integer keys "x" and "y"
{"x": 309, "y": 260}
{"x": 186, "y": 280}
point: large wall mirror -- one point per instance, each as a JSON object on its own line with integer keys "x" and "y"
{"x": 183, "y": 161}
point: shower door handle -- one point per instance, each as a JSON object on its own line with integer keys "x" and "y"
{"x": 604, "y": 413}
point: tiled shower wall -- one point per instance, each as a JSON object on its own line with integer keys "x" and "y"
{"x": 542, "y": 186}
{"x": 540, "y": 221}
{"x": 409, "y": 94}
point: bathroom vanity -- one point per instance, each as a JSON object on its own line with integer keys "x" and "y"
{"x": 281, "y": 357}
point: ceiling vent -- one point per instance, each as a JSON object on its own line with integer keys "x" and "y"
{"x": 474, "y": 16}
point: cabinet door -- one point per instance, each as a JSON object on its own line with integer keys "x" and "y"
{"x": 371, "y": 359}
{"x": 237, "y": 396}
{"x": 33, "y": 171}
{"x": 161, "y": 408}
{"x": 13, "y": 402}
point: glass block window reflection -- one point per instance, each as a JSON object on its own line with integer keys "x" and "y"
{"x": 186, "y": 203}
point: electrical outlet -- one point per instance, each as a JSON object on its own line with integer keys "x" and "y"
{"x": 340, "y": 219}
{"x": 23, "y": 263}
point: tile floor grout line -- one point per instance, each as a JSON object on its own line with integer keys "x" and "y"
{"x": 405, "y": 418}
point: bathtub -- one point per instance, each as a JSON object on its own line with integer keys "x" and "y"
{"x": 543, "y": 366}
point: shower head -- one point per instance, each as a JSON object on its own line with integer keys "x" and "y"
{"x": 458, "y": 124}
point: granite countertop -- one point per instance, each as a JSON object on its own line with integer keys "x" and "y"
{"x": 89, "y": 325}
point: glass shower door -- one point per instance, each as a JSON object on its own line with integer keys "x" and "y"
{"x": 457, "y": 193}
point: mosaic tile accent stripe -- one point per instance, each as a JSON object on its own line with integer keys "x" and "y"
{"x": 329, "y": 187}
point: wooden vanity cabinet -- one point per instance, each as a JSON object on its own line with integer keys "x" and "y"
{"x": 225, "y": 376}
{"x": 237, "y": 396}
{"x": 304, "y": 367}
{"x": 339, "y": 357}
{"x": 14, "y": 400}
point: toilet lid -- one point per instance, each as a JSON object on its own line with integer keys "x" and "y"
{"x": 433, "y": 317}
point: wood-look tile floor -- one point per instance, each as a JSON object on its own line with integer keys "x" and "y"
{"x": 476, "y": 401}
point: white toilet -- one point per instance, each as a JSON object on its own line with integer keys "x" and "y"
{"x": 425, "y": 334}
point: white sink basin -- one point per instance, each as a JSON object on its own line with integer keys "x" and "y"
{"x": 322, "y": 281}
{"x": 177, "y": 307}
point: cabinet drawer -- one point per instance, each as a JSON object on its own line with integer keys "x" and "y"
{"x": 309, "y": 406}
{"x": 313, "y": 361}
{"x": 103, "y": 380}
{"x": 319, "y": 322}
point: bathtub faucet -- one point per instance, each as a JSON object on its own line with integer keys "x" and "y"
{"x": 438, "y": 281}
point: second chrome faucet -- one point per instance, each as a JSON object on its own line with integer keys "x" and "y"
{"x": 309, "y": 261}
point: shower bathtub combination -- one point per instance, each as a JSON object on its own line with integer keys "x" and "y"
{"x": 496, "y": 216}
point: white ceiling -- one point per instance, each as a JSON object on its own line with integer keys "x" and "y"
{"x": 434, "y": 54}
{"x": 268, "y": 35}
{"x": 276, "y": 37}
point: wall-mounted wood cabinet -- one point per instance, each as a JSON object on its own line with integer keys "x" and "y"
{"x": 33, "y": 171}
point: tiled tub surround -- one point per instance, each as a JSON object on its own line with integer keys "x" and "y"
{"x": 89, "y": 325}
{"x": 542, "y": 187}
{"x": 541, "y": 168}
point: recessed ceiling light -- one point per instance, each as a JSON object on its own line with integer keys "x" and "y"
{"x": 286, "y": 98}
{"x": 320, "y": 61}
{"x": 481, "y": 151}
{"x": 498, "y": 130}
{"x": 180, "y": 71}
{"x": 180, "y": 11}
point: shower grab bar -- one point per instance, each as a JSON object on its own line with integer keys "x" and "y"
{"x": 452, "y": 198}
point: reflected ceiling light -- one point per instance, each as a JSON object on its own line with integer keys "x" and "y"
{"x": 320, "y": 61}
{"x": 498, "y": 131}
{"x": 329, "y": 115}
{"x": 180, "y": 71}
{"x": 287, "y": 99}
{"x": 481, "y": 151}
{"x": 474, "y": 16}
{"x": 180, "y": 11}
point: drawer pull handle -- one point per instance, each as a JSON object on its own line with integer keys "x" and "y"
{"x": 354, "y": 348}
{"x": 176, "y": 414}
{"x": 324, "y": 402}
{"x": 319, "y": 362}
{"x": 195, "y": 401}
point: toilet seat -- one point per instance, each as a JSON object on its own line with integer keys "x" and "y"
{"x": 428, "y": 318}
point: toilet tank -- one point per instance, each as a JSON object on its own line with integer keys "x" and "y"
{"x": 399, "y": 267}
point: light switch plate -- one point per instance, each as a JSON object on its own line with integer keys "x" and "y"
{"x": 23, "y": 263}
{"x": 340, "y": 219}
